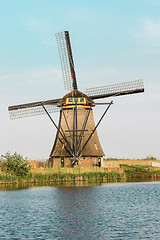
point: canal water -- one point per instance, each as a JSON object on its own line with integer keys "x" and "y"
{"x": 110, "y": 211}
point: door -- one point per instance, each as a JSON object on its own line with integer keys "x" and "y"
{"x": 99, "y": 162}
{"x": 62, "y": 162}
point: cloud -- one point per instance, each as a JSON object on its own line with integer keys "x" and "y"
{"x": 36, "y": 25}
{"x": 32, "y": 85}
{"x": 152, "y": 28}
{"x": 49, "y": 42}
{"x": 43, "y": 28}
{"x": 148, "y": 31}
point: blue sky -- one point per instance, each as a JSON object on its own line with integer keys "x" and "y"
{"x": 112, "y": 41}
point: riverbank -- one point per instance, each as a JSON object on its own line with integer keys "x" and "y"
{"x": 50, "y": 175}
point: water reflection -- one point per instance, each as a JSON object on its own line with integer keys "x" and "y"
{"x": 13, "y": 187}
{"x": 109, "y": 211}
{"x": 20, "y": 186}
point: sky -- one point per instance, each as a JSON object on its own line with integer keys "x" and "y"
{"x": 112, "y": 42}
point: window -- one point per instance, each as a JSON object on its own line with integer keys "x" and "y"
{"x": 75, "y": 99}
{"x": 81, "y": 99}
{"x": 70, "y": 100}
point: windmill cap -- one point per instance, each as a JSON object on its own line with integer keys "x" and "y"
{"x": 75, "y": 94}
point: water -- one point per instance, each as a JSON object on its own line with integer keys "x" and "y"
{"x": 111, "y": 211}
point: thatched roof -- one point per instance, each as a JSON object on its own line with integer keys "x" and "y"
{"x": 93, "y": 147}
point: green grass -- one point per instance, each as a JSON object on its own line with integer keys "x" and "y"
{"x": 140, "y": 171}
{"x": 90, "y": 175}
{"x": 76, "y": 175}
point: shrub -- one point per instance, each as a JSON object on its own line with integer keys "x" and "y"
{"x": 14, "y": 164}
{"x": 150, "y": 158}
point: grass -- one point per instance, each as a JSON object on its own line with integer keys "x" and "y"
{"x": 64, "y": 175}
{"x": 141, "y": 171}
{"x": 92, "y": 174}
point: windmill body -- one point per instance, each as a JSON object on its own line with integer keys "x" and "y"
{"x": 77, "y": 123}
{"x": 76, "y": 142}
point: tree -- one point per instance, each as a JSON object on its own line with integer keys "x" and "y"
{"x": 14, "y": 164}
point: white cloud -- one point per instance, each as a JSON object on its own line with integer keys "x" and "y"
{"x": 37, "y": 80}
{"x": 151, "y": 27}
{"x": 35, "y": 25}
{"x": 88, "y": 78}
{"x": 148, "y": 31}
{"x": 49, "y": 42}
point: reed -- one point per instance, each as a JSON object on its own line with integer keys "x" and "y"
{"x": 63, "y": 175}
{"x": 88, "y": 175}
{"x": 140, "y": 171}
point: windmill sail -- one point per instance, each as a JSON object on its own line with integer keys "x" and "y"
{"x": 32, "y": 109}
{"x": 115, "y": 90}
{"x": 65, "y": 53}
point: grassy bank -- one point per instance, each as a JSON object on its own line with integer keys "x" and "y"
{"x": 63, "y": 175}
{"x": 145, "y": 172}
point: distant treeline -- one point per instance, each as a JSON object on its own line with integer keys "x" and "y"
{"x": 151, "y": 158}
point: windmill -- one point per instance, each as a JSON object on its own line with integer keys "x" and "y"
{"x": 76, "y": 140}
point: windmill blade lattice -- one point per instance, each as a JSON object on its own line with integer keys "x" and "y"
{"x": 28, "y": 112}
{"x": 115, "y": 89}
{"x": 66, "y": 59}
{"x": 32, "y": 109}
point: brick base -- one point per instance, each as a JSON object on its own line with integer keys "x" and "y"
{"x": 83, "y": 162}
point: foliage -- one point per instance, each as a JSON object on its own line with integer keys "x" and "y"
{"x": 124, "y": 159}
{"x": 14, "y": 164}
{"x": 85, "y": 175}
{"x": 150, "y": 158}
{"x": 137, "y": 171}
